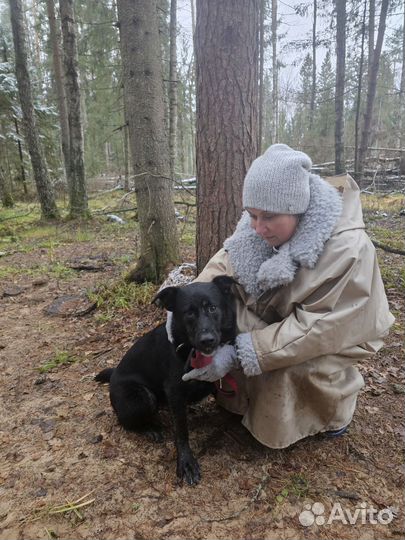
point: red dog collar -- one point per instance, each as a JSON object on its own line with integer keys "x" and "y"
{"x": 199, "y": 360}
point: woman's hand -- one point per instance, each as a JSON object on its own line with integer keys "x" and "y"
{"x": 223, "y": 360}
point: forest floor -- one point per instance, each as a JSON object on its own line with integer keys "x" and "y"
{"x": 69, "y": 471}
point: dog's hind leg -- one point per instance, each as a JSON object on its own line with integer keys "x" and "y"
{"x": 136, "y": 408}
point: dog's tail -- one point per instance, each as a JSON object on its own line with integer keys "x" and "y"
{"x": 104, "y": 376}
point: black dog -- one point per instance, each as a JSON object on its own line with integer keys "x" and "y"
{"x": 150, "y": 372}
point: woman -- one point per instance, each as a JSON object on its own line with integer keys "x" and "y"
{"x": 310, "y": 301}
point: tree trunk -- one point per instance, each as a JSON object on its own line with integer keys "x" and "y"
{"x": 76, "y": 176}
{"x": 163, "y": 7}
{"x": 191, "y": 95}
{"x": 173, "y": 88}
{"x": 181, "y": 129}
{"x": 402, "y": 104}
{"x": 340, "y": 166}
{"x": 227, "y": 99}
{"x": 6, "y": 195}
{"x": 359, "y": 87}
{"x": 144, "y": 111}
{"x": 261, "y": 75}
{"x": 126, "y": 158}
{"x": 313, "y": 85}
{"x": 5, "y": 191}
{"x": 191, "y": 114}
{"x": 17, "y": 131}
{"x": 20, "y": 155}
{"x": 371, "y": 30}
{"x": 274, "y": 136}
{"x": 55, "y": 39}
{"x": 192, "y": 18}
{"x": 372, "y": 85}
{"x": 39, "y": 167}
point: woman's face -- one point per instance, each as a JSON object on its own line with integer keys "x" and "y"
{"x": 276, "y": 229}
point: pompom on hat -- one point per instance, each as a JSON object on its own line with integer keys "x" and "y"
{"x": 278, "y": 181}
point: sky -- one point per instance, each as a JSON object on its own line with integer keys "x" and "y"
{"x": 295, "y": 27}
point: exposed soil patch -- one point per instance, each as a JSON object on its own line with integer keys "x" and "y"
{"x": 60, "y": 441}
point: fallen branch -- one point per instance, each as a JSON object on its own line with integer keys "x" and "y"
{"x": 388, "y": 248}
{"x": 113, "y": 211}
{"x": 185, "y": 203}
{"x": 18, "y": 216}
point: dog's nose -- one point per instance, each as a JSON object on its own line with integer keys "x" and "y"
{"x": 207, "y": 341}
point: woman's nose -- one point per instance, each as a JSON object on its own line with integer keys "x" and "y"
{"x": 260, "y": 226}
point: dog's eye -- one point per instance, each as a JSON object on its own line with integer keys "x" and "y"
{"x": 212, "y": 309}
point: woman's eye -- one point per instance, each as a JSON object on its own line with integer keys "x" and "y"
{"x": 264, "y": 218}
{"x": 212, "y": 309}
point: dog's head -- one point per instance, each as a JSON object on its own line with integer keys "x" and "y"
{"x": 203, "y": 313}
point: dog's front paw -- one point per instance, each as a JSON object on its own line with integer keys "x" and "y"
{"x": 154, "y": 435}
{"x": 188, "y": 468}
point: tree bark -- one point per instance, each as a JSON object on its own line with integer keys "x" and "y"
{"x": 173, "y": 88}
{"x": 6, "y": 194}
{"x": 402, "y": 104}
{"x": 17, "y": 131}
{"x": 261, "y": 75}
{"x": 39, "y": 167}
{"x": 144, "y": 111}
{"x": 191, "y": 114}
{"x": 163, "y": 7}
{"x": 274, "y": 60}
{"x": 126, "y": 157}
{"x": 20, "y": 155}
{"x": 55, "y": 39}
{"x": 372, "y": 85}
{"x": 371, "y": 30}
{"x": 192, "y": 18}
{"x": 340, "y": 85}
{"x": 227, "y": 101}
{"x": 313, "y": 85}
{"x": 76, "y": 175}
{"x": 359, "y": 87}
{"x": 181, "y": 129}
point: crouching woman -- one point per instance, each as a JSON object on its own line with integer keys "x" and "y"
{"x": 310, "y": 301}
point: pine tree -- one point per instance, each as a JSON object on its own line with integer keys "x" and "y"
{"x": 227, "y": 94}
{"x": 39, "y": 166}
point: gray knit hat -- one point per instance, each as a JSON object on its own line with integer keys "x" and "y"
{"x": 278, "y": 181}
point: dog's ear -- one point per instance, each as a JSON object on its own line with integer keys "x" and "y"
{"x": 224, "y": 284}
{"x": 166, "y": 298}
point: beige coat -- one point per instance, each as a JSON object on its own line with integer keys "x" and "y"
{"x": 309, "y": 334}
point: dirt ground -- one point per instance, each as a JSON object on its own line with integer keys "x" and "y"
{"x": 69, "y": 471}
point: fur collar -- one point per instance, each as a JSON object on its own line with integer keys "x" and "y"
{"x": 258, "y": 267}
